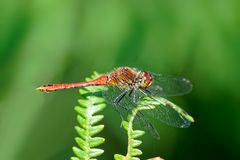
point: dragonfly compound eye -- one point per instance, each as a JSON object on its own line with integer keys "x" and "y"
{"x": 146, "y": 80}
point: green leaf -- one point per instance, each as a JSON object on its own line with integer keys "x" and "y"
{"x": 74, "y": 158}
{"x": 95, "y": 130}
{"x": 83, "y": 91}
{"x": 81, "y": 132}
{"x": 95, "y": 99}
{"x": 119, "y": 157}
{"x": 81, "y": 143}
{"x": 84, "y": 103}
{"x": 135, "y": 143}
{"x": 96, "y": 152}
{"x": 125, "y": 125}
{"x": 80, "y": 111}
{"x": 82, "y": 122}
{"x": 94, "y": 119}
{"x": 80, "y": 153}
{"x": 96, "y": 141}
{"x": 96, "y": 108}
{"x": 137, "y": 133}
{"x": 134, "y": 158}
{"x": 135, "y": 152}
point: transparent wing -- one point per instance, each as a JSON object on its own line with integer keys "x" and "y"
{"x": 167, "y": 85}
{"x": 125, "y": 105}
{"x": 166, "y": 111}
{"x": 123, "y": 108}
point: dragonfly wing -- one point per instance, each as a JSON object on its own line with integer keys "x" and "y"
{"x": 125, "y": 107}
{"x": 167, "y": 85}
{"x": 111, "y": 95}
{"x": 166, "y": 111}
{"x": 143, "y": 121}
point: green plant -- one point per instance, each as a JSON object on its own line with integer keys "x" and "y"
{"x": 89, "y": 105}
{"x": 145, "y": 104}
{"x": 133, "y": 142}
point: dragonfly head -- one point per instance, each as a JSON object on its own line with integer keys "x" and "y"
{"x": 146, "y": 80}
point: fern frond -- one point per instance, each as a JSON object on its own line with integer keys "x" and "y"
{"x": 133, "y": 142}
{"x": 89, "y": 105}
{"x": 145, "y": 104}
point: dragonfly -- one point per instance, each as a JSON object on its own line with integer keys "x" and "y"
{"x": 127, "y": 86}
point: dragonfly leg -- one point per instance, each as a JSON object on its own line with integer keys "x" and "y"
{"x": 145, "y": 94}
{"x": 134, "y": 95}
{"x": 120, "y": 97}
{"x": 130, "y": 93}
{"x": 149, "y": 91}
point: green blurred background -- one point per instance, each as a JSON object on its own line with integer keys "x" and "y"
{"x": 44, "y": 41}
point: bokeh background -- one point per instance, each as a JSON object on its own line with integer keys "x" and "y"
{"x": 44, "y": 42}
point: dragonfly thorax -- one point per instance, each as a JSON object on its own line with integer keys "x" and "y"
{"x": 126, "y": 77}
